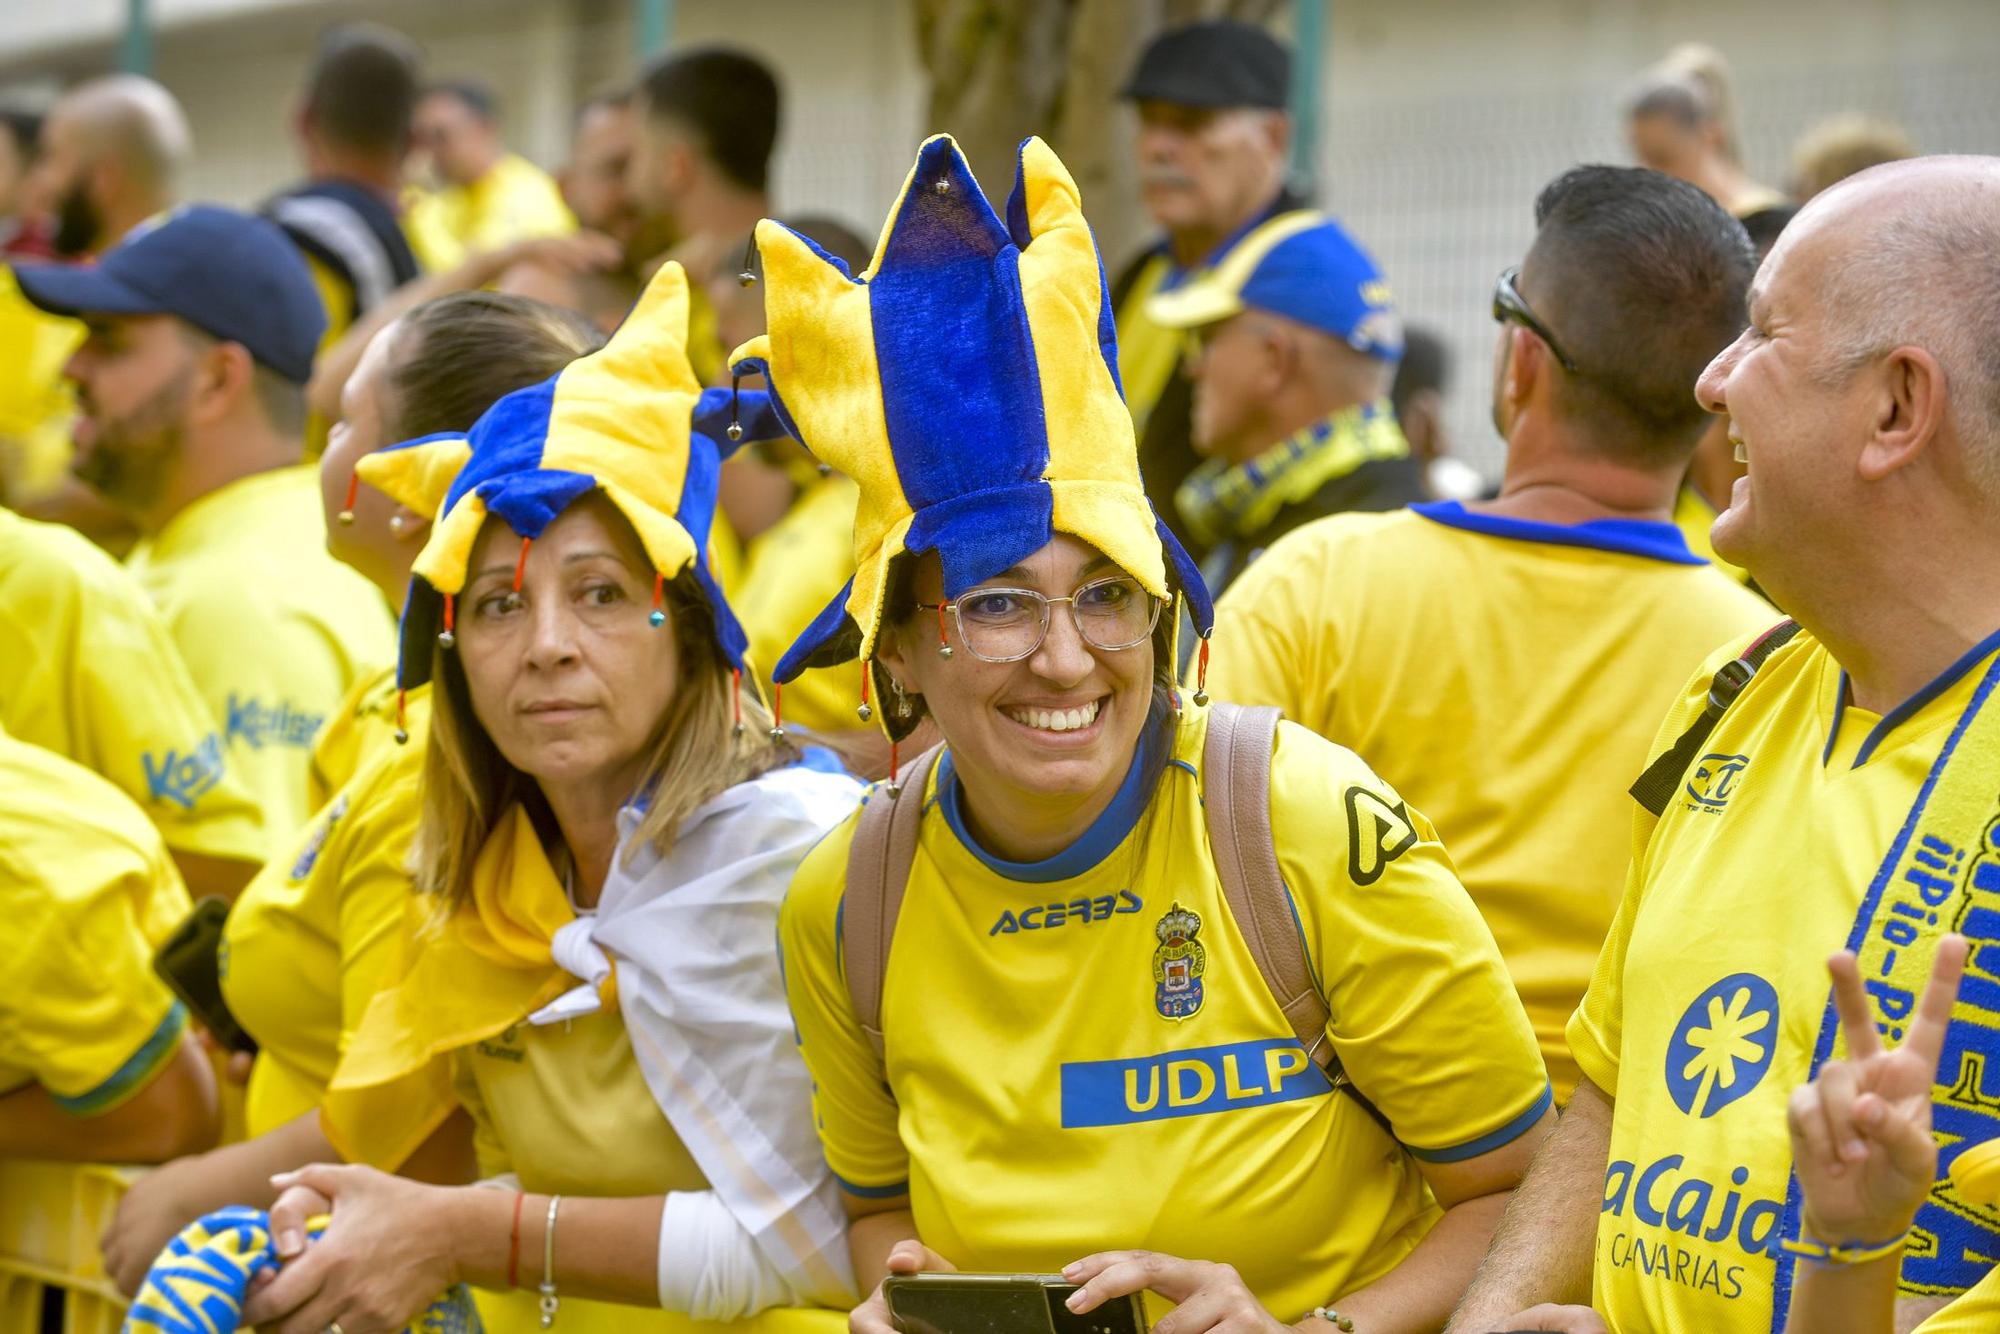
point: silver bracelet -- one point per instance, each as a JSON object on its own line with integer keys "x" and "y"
{"x": 1334, "y": 1318}
{"x": 549, "y": 1299}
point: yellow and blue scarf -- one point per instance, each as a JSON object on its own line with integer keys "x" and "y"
{"x": 1221, "y": 500}
{"x": 202, "y": 1278}
{"x": 1942, "y": 874}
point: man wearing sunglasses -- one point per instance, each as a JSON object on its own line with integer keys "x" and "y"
{"x": 1503, "y": 664}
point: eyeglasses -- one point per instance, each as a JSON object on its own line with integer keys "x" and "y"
{"x": 1008, "y": 624}
{"x": 1508, "y": 305}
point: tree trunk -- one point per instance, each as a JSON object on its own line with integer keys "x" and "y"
{"x": 1002, "y": 70}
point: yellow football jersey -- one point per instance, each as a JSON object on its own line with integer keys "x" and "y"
{"x": 1148, "y": 353}
{"x": 362, "y": 727}
{"x": 1712, "y": 986}
{"x": 1694, "y": 515}
{"x": 87, "y": 892}
{"x": 514, "y": 201}
{"x": 1506, "y": 677}
{"x": 545, "y": 1103}
{"x": 90, "y": 673}
{"x": 36, "y": 402}
{"x": 322, "y": 928}
{"x": 274, "y": 631}
{"x": 1977, "y": 1312}
{"x": 1082, "y": 1054}
{"x": 793, "y": 570}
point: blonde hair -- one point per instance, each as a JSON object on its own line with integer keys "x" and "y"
{"x": 1839, "y": 146}
{"x": 694, "y": 754}
{"x": 1693, "y": 84}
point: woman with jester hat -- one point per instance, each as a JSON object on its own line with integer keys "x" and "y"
{"x": 1037, "y": 980}
{"x": 607, "y": 827}
{"x": 311, "y": 937}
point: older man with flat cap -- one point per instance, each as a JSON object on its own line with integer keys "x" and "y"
{"x": 1213, "y": 141}
{"x": 1828, "y": 786}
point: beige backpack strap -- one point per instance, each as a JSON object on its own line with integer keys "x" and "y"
{"x": 878, "y": 871}
{"x": 1236, "y": 802}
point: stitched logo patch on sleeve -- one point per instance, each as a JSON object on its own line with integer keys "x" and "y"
{"x": 1377, "y": 834}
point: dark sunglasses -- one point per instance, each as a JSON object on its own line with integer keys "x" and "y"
{"x": 1508, "y": 305}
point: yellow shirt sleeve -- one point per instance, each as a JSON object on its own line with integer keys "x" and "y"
{"x": 99, "y": 681}
{"x": 1425, "y": 1019}
{"x": 88, "y": 892}
{"x": 852, "y": 1106}
{"x": 1596, "y": 1030}
{"x": 1975, "y": 1311}
{"x": 1275, "y": 641}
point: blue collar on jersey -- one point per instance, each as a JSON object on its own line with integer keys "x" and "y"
{"x": 1902, "y": 713}
{"x": 1628, "y": 537}
{"x": 1096, "y": 843}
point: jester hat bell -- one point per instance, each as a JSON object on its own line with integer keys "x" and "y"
{"x": 629, "y": 420}
{"x": 968, "y": 381}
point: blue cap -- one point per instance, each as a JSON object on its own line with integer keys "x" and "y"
{"x": 233, "y": 276}
{"x": 1301, "y": 266}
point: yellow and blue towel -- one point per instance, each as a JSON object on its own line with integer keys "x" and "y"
{"x": 201, "y": 1280}
{"x": 968, "y": 381}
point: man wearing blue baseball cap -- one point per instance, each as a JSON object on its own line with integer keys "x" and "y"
{"x": 191, "y": 389}
{"x": 1296, "y": 339}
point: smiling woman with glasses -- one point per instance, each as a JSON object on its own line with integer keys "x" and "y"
{"x": 1008, "y": 624}
{"x": 1113, "y": 978}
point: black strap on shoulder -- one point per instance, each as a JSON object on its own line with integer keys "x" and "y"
{"x": 1656, "y": 786}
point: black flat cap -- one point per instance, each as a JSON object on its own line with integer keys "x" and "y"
{"x": 1214, "y": 64}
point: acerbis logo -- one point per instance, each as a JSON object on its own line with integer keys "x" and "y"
{"x": 1723, "y": 1045}
{"x": 1714, "y": 780}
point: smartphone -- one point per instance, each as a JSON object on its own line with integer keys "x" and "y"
{"x": 1001, "y": 1304}
{"x": 187, "y": 961}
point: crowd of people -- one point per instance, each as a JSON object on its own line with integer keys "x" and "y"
{"x": 582, "y": 751}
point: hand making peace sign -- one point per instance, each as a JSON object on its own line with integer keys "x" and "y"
{"x": 1861, "y": 1131}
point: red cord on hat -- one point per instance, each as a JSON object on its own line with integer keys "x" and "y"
{"x": 353, "y": 489}
{"x": 402, "y": 717}
{"x": 777, "y": 711}
{"x": 657, "y": 618}
{"x": 893, "y": 786}
{"x": 521, "y": 565}
{"x": 445, "y": 636}
{"x": 737, "y": 696}
{"x": 864, "y": 712}
{"x": 944, "y": 645}
{"x": 1201, "y": 675}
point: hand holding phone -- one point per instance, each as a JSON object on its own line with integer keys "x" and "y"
{"x": 188, "y": 961}
{"x": 1001, "y": 1304}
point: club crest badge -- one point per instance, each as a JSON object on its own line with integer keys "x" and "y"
{"x": 1178, "y": 964}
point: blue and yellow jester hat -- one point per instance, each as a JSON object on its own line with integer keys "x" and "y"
{"x": 630, "y": 420}
{"x": 968, "y": 381}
